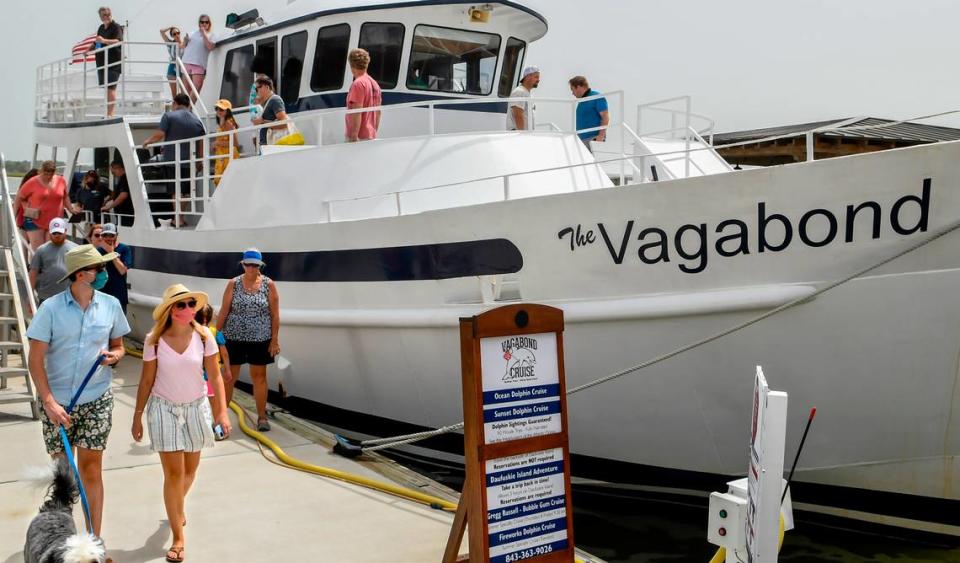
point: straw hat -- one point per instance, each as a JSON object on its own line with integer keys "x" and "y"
{"x": 178, "y": 292}
{"x": 84, "y": 256}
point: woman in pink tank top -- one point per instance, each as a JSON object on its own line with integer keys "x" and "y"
{"x": 173, "y": 393}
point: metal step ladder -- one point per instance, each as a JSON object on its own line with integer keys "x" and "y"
{"x": 14, "y": 290}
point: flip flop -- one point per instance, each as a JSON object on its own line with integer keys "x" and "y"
{"x": 177, "y": 554}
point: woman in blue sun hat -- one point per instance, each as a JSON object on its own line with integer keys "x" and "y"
{"x": 250, "y": 320}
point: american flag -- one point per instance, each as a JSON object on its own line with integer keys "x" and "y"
{"x": 81, "y": 51}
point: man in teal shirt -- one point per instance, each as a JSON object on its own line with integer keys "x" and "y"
{"x": 70, "y": 331}
{"x": 591, "y": 113}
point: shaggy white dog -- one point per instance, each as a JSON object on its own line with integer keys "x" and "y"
{"x": 52, "y": 536}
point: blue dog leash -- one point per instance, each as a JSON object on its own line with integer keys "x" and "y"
{"x": 69, "y": 450}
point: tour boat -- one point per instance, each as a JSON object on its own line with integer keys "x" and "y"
{"x": 648, "y": 242}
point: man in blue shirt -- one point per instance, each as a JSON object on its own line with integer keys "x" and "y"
{"x": 68, "y": 334}
{"x": 591, "y": 113}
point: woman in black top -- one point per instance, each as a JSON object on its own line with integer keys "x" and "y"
{"x": 91, "y": 195}
{"x": 109, "y": 33}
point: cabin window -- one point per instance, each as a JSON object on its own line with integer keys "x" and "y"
{"x": 267, "y": 58}
{"x": 512, "y": 59}
{"x": 293, "y": 49}
{"x": 237, "y": 76}
{"x": 384, "y": 42}
{"x": 452, "y": 60}
{"x": 330, "y": 58}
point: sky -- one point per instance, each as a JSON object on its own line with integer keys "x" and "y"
{"x": 746, "y": 63}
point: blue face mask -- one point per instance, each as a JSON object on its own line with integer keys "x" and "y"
{"x": 100, "y": 280}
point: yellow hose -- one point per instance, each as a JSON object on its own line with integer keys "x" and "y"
{"x": 327, "y": 472}
{"x": 340, "y": 475}
{"x": 721, "y": 555}
{"x": 334, "y": 473}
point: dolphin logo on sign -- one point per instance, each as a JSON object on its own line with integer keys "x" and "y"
{"x": 520, "y": 364}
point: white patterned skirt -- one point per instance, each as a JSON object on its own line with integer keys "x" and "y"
{"x": 175, "y": 427}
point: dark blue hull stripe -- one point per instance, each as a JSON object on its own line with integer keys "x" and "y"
{"x": 339, "y": 100}
{"x": 398, "y": 263}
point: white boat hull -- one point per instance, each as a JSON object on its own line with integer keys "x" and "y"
{"x": 878, "y": 356}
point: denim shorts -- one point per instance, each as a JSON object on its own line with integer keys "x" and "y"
{"x": 29, "y": 225}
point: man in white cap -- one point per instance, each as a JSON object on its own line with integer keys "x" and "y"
{"x": 520, "y": 114}
{"x": 71, "y": 332}
{"x": 47, "y": 266}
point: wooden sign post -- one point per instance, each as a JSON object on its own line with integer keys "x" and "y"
{"x": 516, "y": 497}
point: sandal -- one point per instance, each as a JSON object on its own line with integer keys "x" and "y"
{"x": 177, "y": 554}
{"x": 263, "y": 425}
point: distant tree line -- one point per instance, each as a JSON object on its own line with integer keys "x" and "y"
{"x": 20, "y": 167}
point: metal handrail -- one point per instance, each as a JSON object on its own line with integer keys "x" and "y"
{"x": 194, "y": 161}
{"x": 194, "y": 94}
{"x": 14, "y": 234}
{"x": 65, "y": 90}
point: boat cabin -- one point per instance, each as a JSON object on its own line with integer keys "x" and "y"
{"x": 419, "y": 51}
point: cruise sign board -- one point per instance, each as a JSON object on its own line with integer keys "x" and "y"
{"x": 765, "y": 471}
{"x": 516, "y": 498}
{"x": 521, "y": 387}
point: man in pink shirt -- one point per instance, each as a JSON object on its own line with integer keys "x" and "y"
{"x": 364, "y": 93}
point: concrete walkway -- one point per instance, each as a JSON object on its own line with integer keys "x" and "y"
{"x": 241, "y": 508}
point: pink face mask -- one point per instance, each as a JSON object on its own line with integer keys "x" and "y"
{"x": 182, "y": 316}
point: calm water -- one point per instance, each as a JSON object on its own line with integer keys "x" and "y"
{"x": 631, "y": 530}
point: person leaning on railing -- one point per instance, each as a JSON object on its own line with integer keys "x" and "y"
{"x": 109, "y": 33}
{"x": 273, "y": 110}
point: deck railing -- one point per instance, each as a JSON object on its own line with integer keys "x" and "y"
{"x": 70, "y": 91}
{"x": 195, "y": 178}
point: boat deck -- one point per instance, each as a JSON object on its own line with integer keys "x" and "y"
{"x": 242, "y": 508}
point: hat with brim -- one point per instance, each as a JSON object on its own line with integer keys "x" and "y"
{"x": 253, "y": 256}
{"x": 178, "y": 292}
{"x": 84, "y": 256}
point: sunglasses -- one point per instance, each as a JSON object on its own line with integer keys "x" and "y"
{"x": 97, "y": 268}
{"x": 95, "y": 235}
{"x": 189, "y": 304}
{"x": 202, "y": 22}
{"x": 245, "y": 265}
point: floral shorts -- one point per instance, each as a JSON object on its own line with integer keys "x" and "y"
{"x": 91, "y": 423}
